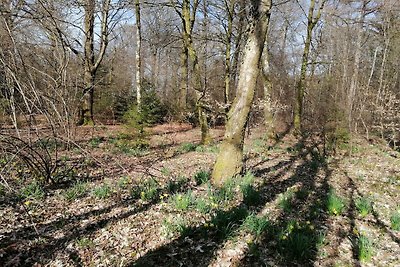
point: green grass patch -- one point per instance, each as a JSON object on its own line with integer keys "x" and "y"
{"x": 226, "y": 222}
{"x": 123, "y": 182}
{"x": 364, "y": 248}
{"x": 364, "y": 206}
{"x": 203, "y": 205}
{"x": 251, "y": 197}
{"x": 207, "y": 149}
{"x": 174, "y": 186}
{"x": 182, "y": 201}
{"x": 32, "y": 191}
{"x": 320, "y": 239}
{"x": 285, "y": 200}
{"x": 225, "y": 193}
{"x": 129, "y": 145}
{"x": 165, "y": 171}
{"x": 187, "y": 147}
{"x": 102, "y": 192}
{"x": 95, "y": 142}
{"x": 297, "y": 240}
{"x": 146, "y": 191}
{"x": 256, "y": 225}
{"x": 395, "y": 221}
{"x": 84, "y": 243}
{"x": 334, "y": 204}
{"x": 174, "y": 225}
{"x": 78, "y": 190}
{"x": 201, "y": 177}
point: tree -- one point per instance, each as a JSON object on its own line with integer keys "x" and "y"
{"x": 267, "y": 85}
{"x": 230, "y": 158}
{"x": 138, "y": 55}
{"x": 356, "y": 67}
{"x": 187, "y": 13}
{"x": 91, "y": 64}
{"x": 312, "y": 20}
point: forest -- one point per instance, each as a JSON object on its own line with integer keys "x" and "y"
{"x": 199, "y": 133}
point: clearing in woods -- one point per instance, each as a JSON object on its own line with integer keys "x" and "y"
{"x": 124, "y": 204}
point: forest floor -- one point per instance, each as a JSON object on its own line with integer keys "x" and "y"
{"x": 124, "y": 205}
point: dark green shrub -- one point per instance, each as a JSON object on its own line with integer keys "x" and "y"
{"x": 152, "y": 110}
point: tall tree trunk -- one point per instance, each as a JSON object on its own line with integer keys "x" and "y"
{"x": 238, "y": 40}
{"x": 7, "y": 84}
{"x": 268, "y": 117}
{"x": 88, "y": 99}
{"x": 356, "y": 67}
{"x": 188, "y": 16}
{"x": 88, "y": 93}
{"x": 183, "y": 78}
{"x": 229, "y": 5}
{"x": 90, "y": 63}
{"x": 300, "y": 88}
{"x": 229, "y": 162}
{"x": 138, "y": 56}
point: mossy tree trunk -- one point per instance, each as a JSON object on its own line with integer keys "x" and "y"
{"x": 187, "y": 13}
{"x": 229, "y": 161}
{"x": 301, "y": 84}
{"x": 230, "y": 9}
{"x": 90, "y": 63}
{"x": 183, "y": 78}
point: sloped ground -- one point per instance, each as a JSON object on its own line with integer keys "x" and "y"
{"x": 145, "y": 207}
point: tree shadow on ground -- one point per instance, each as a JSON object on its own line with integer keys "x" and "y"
{"x": 198, "y": 245}
{"x": 16, "y": 250}
{"x": 296, "y": 235}
{"x": 377, "y": 221}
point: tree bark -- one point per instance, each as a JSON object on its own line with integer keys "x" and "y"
{"x": 229, "y": 5}
{"x": 138, "y": 56}
{"x": 90, "y": 63}
{"x": 229, "y": 161}
{"x": 183, "y": 78}
{"x": 300, "y": 88}
{"x": 188, "y": 16}
{"x": 356, "y": 67}
{"x": 238, "y": 40}
{"x": 268, "y": 116}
